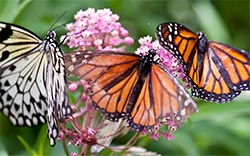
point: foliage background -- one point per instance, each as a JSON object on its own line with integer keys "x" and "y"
{"x": 215, "y": 130}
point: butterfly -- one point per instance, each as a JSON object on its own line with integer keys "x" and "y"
{"x": 130, "y": 86}
{"x": 32, "y": 79}
{"x": 217, "y": 72}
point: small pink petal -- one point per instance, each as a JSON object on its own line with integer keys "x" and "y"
{"x": 73, "y": 87}
{"x": 128, "y": 40}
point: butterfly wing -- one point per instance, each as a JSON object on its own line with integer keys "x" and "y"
{"x": 161, "y": 95}
{"x": 233, "y": 64}
{"x": 112, "y": 76}
{"x": 225, "y": 73}
{"x": 206, "y": 63}
{"x": 22, "y": 87}
{"x": 32, "y": 79}
{"x": 58, "y": 107}
{"x": 182, "y": 43}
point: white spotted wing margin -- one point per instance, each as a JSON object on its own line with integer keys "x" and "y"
{"x": 32, "y": 79}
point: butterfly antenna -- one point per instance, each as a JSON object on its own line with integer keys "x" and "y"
{"x": 57, "y": 22}
{"x": 64, "y": 24}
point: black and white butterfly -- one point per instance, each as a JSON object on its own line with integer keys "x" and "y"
{"x": 32, "y": 79}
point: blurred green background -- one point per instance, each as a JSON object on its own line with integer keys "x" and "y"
{"x": 214, "y": 130}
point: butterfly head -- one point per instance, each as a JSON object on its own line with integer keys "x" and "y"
{"x": 151, "y": 56}
{"x": 51, "y": 36}
{"x": 152, "y": 52}
{"x": 50, "y": 41}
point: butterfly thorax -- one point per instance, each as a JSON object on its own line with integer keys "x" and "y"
{"x": 146, "y": 63}
{"x": 53, "y": 51}
{"x": 202, "y": 43}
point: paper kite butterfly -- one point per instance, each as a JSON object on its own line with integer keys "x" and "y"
{"x": 32, "y": 79}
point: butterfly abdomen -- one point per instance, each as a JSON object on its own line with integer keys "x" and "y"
{"x": 144, "y": 68}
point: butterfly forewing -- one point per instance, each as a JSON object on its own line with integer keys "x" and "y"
{"x": 112, "y": 77}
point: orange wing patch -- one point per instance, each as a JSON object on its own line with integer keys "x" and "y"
{"x": 112, "y": 76}
{"x": 161, "y": 94}
{"x": 235, "y": 63}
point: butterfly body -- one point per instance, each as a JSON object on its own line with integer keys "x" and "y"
{"x": 216, "y": 71}
{"x": 32, "y": 78}
{"x": 144, "y": 69}
{"x": 125, "y": 85}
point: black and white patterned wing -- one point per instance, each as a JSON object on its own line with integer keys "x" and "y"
{"x": 32, "y": 78}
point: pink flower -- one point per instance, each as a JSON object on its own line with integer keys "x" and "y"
{"x": 99, "y": 30}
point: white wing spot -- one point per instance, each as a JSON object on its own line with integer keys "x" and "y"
{"x": 13, "y": 120}
{"x": 34, "y": 121}
{"x": 170, "y": 38}
{"x": 54, "y": 133}
{"x": 176, "y": 32}
{"x": 68, "y": 110}
{"x": 6, "y": 111}
{"x": 178, "y": 118}
{"x": 186, "y": 103}
{"x": 42, "y": 119}
{"x": 183, "y": 112}
{"x": 27, "y": 121}
{"x": 52, "y": 142}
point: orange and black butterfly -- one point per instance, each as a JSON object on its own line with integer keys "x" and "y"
{"x": 131, "y": 86}
{"x": 217, "y": 72}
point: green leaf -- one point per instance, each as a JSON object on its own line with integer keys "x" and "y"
{"x": 9, "y": 10}
{"x": 27, "y": 146}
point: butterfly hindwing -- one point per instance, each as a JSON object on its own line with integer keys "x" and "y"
{"x": 161, "y": 94}
{"x": 234, "y": 63}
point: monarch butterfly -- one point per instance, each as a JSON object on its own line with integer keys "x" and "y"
{"x": 125, "y": 85}
{"x": 32, "y": 78}
{"x": 217, "y": 72}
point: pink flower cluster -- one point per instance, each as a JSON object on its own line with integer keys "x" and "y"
{"x": 168, "y": 120}
{"x": 98, "y": 30}
{"x": 167, "y": 58}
